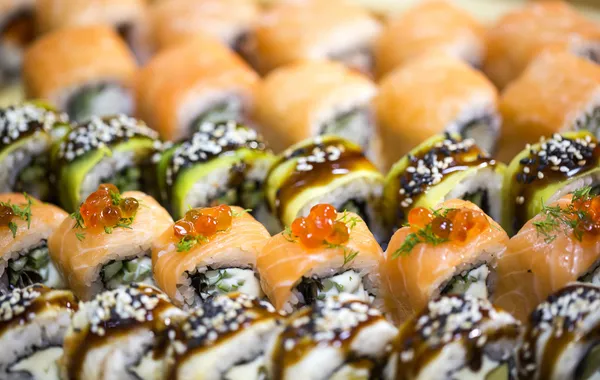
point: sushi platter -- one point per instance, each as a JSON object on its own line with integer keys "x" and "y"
{"x": 301, "y": 189}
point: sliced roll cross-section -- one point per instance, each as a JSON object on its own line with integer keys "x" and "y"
{"x": 33, "y": 323}
{"x": 338, "y": 338}
{"x": 27, "y": 132}
{"x": 82, "y": 70}
{"x": 17, "y": 31}
{"x": 224, "y": 338}
{"x": 456, "y": 337}
{"x": 119, "y": 335}
{"x": 451, "y": 249}
{"x": 443, "y": 168}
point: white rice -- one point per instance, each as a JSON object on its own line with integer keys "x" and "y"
{"x": 592, "y": 179}
{"x": 209, "y": 187}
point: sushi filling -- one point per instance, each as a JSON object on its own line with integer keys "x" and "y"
{"x": 126, "y": 179}
{"x": 39, "y": 365}
{"x": 25, "y": 169}
{"x": 229, "y": 109}
{"x": 353, "y": 125}
{"x": 223, "y": 281}
{"x": 118, "y": 273}
{"x": 481, "y": 130}
{"x": 359, "y": 207}
{"x": 473, "y": 282}
{"x": 590, "y": 122}
{"x": 311, "y": 289}
{"x": 247, "y": 369}
{"x": 15, "y": 34}
{"x": 489, "y": 369}
{"x": 359, "y": 58}
{"x": 589, "y": 367}
{"x": 31, "y": 267}
{"x": 102, "y": 99}
{"x": 480, "y": 198}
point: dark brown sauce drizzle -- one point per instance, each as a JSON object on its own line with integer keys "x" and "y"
{"x": 318, "y": 173}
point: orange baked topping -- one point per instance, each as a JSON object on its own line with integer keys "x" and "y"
{"x": 320, "y": 227}
{"x": 105, "y": 207}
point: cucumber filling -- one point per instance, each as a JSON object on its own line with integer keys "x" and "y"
{"x": 489, "y": 370}
{"x": 589, "y": 367}
{"x": 353, "y": 125}
{"x": 590, "y": 122}
{"x": 127, "y": 179}
{"x": 32, "y": 267}
{"x": 223, "y": 281}
{"x": 39, "y": 365}
{"x": 310, "y": 289}
{"x": 472, "y": 282}
{"x": 479, "y": 198}
{"x": 33, "y": 179}
{"x": 240, "y": 191}
{"x": 353, "y": 372}
{"x": 252, "y": 369}
{"x": 146, "y": 367}
{"x": 118, "y": 273}
{"x": 222, "y": 111}
{"x": 480, "y": 130}
{"x": 98, "y": 100}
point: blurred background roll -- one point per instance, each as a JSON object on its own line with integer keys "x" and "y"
{"x": 17, "y": 31}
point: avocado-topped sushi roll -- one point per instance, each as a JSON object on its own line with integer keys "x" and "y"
{"x": 456, "y": 337}
{"x": 26, "y": 224}
{"x": 17, "y": 31}
{"x": 443, "y": 168}
{"x": 27, "y": 132}
{"x": 408, "y": 105}
{"x": 325, "y": 169}
{"x": 224, "y": 338}
{"x": 339, "y": 338}
{"x": 562, "y": 342}
{"x": 544, "y": 172}
{"x": 33, "y": 323}
{"x": 222, "y": 163}
{"x": 116, "y": 149}
{"x": 118, "y": 335}
{"x": 82, "y": 70}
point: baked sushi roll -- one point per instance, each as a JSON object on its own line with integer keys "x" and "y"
{"x": 443, "y": 168}
{"x": 456, "y": 337}
{"x": 561, "y": 340}
{"x": 545, "y": 171}
{"x": 229, "y": 21}
{"x": 209, "y": 251}
{"x": 432, "y": 27}
{"x": 338, "y": 338}
{"x": 116, "y": 149}
{"x": 106, "y": 243}
{"x": 452, "y": 249}
{"x": 306, "y": 99}
{"x": 194, "y": 83}
{"x": 27, "y": 132}
{"x": 408, "y": 105}
{"x": 325, "y": 169}
{"x": 320, "y": 256}
{"x": 128, "y": 17}
{"x": 224, "y": 338}
{"x": 522, "y": 34}
{"x": 82, "y": 70}
{"x": 26, "y": 224}
{"x": 33, "y": 323}
{"x": 314, "y": 30}
{"x": 558, "y": 246}
{"x": 118, "y": 335}
{"x": 222, "y": 163}
{"x": 17, "y": 31}
{"x": 556, "y": 93}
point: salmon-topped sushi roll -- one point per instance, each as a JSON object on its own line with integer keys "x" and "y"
{"x": 17, "y": 31}
{"x": 559, "y": 245}
{"x": 430, "y": 27}
{"x": 556, "y": 93}
{"x": 26, "y": 225}
{"x": 321, "y": 255}
{"x": 522, "y": 34}
{"x": 452, "y": 249}
{"x": 210, "y": 251}
{"x": 106, "y": 243}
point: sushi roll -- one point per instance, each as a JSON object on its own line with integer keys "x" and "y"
{"x": 443, "y": 168}
{"x": 222, "y": 163}
{"x": 82, "y": 70}
{"x": 210, "y": 251}
{"x": 408, "y": 105}
{"x": 544, "y": 172}
{"x": 338, "y": 338}
{"x": 452, "y": 249}
{"x": 325, "y": 169}
{"x": 558, "y": 246}
{"x": 456, "y": 337}
{"x": 561, "y": 342}
{"x": 33, "y": 323}
{"x": 17, "y": 31}
{"x": 314, "y": 30}
{"x": 522, "y": 34}
{"x": 230, "y": 21}
{"x": 556, "y": 93}
{"x": 27, "y": 132}
{"x": 118, "y": 335}
{"x": 107, "y": 242}
{"x": 194, "y": 83}
{"x": 116, "y": 149}
{"x": 306, "y": 99}
{"x": 26, "y": 224}
{"x": 128, "y": 17}
{"x": 224, "y": 338}
{"x": 428, "y": 28}
{"x": 320, "y": 256}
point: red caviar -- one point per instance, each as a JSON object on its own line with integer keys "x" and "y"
{"x": 451, "y": 224}
{"x": 204, "y": 222}
{"x": 419, "y": 217}
{"x": 99, "y": 209}
{"x": 320, "y": 227}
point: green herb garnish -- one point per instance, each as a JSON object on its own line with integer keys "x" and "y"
{"x": 240, "y": 213}
{"x": 288, "y": 235}
{"x": 116, "y": 197}
{"x": 349, "y": 256}
{"x": 188, "y": 242}
{"x": 80, "y": 236}
{"x": 22, "y": 212}
{"x": 424, "y": 235}
{"x": 349, "y": 221}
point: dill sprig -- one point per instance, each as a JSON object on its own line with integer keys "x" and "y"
{"x": 115, "y": 197}
{"x": 240, "y": 213}
{"x": 349, "y": 256}
{"x": 79, "y": 223}
{"x": 288, "y": 234}
{"x": 188, "y": 242}
{"x": 350, "y": 221}
{"x": 22, "y": 212}
{"x": 424, "y": 235}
